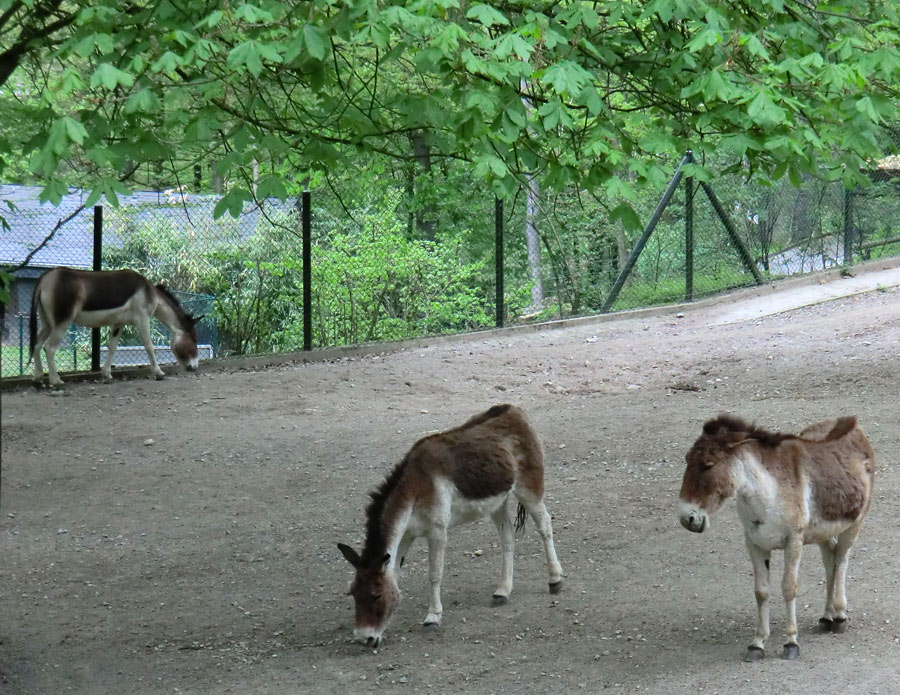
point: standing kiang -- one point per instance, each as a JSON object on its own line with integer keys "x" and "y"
{"x": 791, "y": 490}
{"x": 446, "y": 479}
{"x": 114, "y": 298}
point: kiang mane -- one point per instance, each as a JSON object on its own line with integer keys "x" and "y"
{"x": 730, "y": 424}
{"x": 376, "y": 543}
{"x": 174, "y": 303}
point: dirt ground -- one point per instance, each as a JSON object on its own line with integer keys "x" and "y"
{"x": 179, "y": 536}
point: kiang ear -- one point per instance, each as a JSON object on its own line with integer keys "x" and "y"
{"x": 349, "y": 553}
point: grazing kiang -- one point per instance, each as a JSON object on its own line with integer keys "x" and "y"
{"x": 447, "y": 479}
{"x": 791, "y": 490}
{"x": 114, "y": 298}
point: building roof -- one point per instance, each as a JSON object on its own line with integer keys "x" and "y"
{"x": 30, "y": 222}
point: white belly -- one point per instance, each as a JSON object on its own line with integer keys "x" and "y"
{"x": 462, "y": 511}
{"x": 106, "y": 317}
{"x": 825, "y": 531}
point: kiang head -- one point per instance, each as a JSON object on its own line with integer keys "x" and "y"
{"x": 709, "y": 477}
{"x": 184, "y": 343}
{"x": 375, "y": 595}
{"x": 183, "y": 329}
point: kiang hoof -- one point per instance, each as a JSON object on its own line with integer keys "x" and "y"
{"x": 159, "y": 377}
{"x": 556, "y": 587}
{"x": 430, "y": 627}
{"x": 791, "y": 652}
{"x": 826, "y": 625}
{"x": 840, "y": 625}
{"x": 497, "y": 600}
{"x": 754, "y": 654}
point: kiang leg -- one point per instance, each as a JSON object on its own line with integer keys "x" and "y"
{"x": 507, "y": 552}
{"x": 143, "y": 325}
{"x": 50, "y": 347}
{"x": 841, "y": 560}
{"x": 538, "y": 511}
{"x": 760, "y": 560}
{"x": 40, "y": 340}
{"x": 114, "y": 333}
{"x": 826, "y": 622}
{"x": 793, "y": 549}
{"x": 437, "y": 545}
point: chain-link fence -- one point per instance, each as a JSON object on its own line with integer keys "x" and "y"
{"x": 384, "y": 264}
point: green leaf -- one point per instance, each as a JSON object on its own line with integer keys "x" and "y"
{"x": 764, "y": 111}
{"x": 490, "y": 165}
{"x": 704, "y": 38}
{"x": 316, "y": 41}
{"x": 144, "y": 101}
{"x": 58, "y": 137}
{"x": 110, "y": 77}
{"x": 211, "y": 20}
{"x": 232, "y": 203}
{"x": 486, "y": 15}
{"x": 657, "y": 142}
{"x": 74, "y": 130}
{"x": 252, "y": 14}
{"x": 53, "y": 192}
{"x": 716, "y": 87}
{"x": 271, "y": 186}
{"x": 625, "y": 214}
{"x": 168, "y": 63}
{"x": 246, "y": 55}
{"x": 617, "y": 187}
{"x": 866, "y": 107}
{"x": 513, "y": 43}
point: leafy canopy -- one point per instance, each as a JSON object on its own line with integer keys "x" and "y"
{"x": 575, "y": 92}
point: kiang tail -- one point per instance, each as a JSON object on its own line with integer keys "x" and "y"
{"x": 843, "y": 426}
{"x": 521, "y": 517}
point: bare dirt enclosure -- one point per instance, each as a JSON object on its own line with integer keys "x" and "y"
{"x": 180, "y": 536}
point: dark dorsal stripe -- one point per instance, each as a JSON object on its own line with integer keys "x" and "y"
{"x": 183, "y": 320}
{"x": 842, "y": 427}
{"x": 376, "y": 543}
{"x": 101, "y": 290}
{"x": 725, "y": 425}
{"x": 487, "y": 473}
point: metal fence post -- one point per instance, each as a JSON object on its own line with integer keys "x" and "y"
{"x": 689, "y": 239}
{"x": 746, "y": 258}
{"x": 648, "y": 230}
{"x": 498, "y": 260}
{"x": 98, "y": 265}
{"x": 307, "y": 273}
{"x": 21, "y": 344}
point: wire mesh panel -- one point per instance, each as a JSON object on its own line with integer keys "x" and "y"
{"x": 873, "y": 214}
{"x": 217, "y": 268}
{"x": 39, "y": 238}
{"x": 383, "y": 269}
{"x": 403, "y": 254}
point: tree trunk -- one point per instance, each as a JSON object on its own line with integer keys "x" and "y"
{"x": 218, "y": 181}
{"x": 532, "y": 237}
{"x": 426, "y": 213}
{"x": 533, "y": 243}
